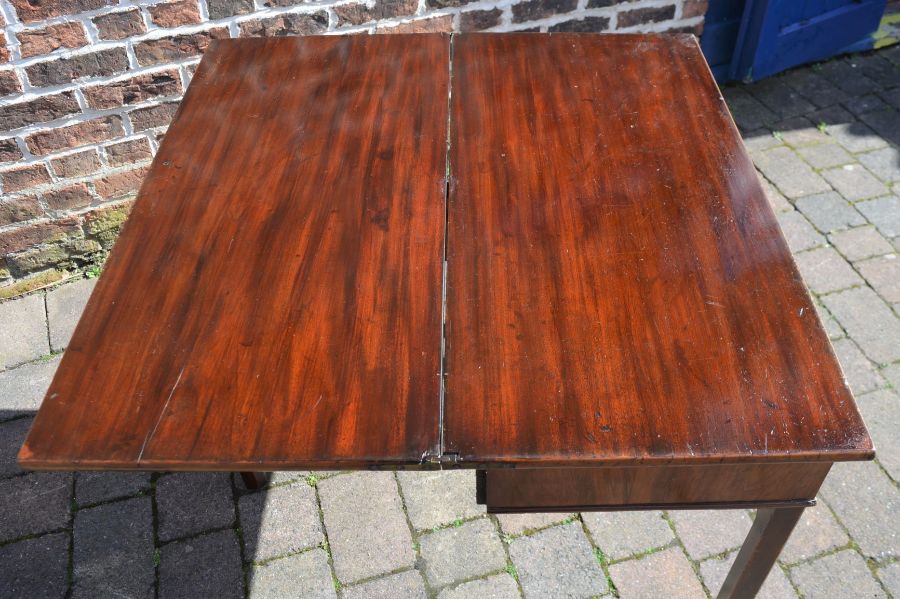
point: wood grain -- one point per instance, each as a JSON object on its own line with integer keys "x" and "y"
{"x": 619, "y": 291}
{"x": 274, "y": 301}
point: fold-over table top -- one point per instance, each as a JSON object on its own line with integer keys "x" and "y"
{"x": 487, "y": 249}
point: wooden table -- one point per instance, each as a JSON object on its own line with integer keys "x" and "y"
{"x": 564, "y": 274}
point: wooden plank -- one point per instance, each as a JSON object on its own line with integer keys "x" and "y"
{"x": 274, "y": 301}
{"x": 619, "y": 291}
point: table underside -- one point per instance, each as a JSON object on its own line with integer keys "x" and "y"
{"x": 427, "y": 251}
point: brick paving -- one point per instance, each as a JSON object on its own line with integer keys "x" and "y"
{"x": 825, "y": 139}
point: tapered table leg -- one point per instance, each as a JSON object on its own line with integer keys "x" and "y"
{"x": 253, "y": 480}
{"x": 769, "y": 533}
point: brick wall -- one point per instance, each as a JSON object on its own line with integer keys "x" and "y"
{"x": 87, "y": 88}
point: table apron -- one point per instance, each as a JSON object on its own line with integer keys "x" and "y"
{"x": 650, "y": 487}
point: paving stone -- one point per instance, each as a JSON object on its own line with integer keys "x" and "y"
{"x": 304, "y": 575}
{"x": 94, "y": 487}
{"x": 892, "y": 374}
{"x": 885, "y": 163}
{"x": 883, "y": 274}
{"x": 854, "y": 182}
{"x": 622, "y": 534}
{"x": 516, "y": 524}
{"x": 193, "y": 502}
{"x": 778, "y": 202}
{"x": 12, "y": 435}
{"x": 814, "y": 87}
{"x": 557, "y": 562}
{"x": 793, "y": 177}
{"x": 366, "y": 527}
{"x": 824, "y": 270}
{"x": 748, "y": 112}
{"x": 405, "y": 585}
{"x": 438, "y": 498}
{"x": 776, "y": 586}
{"x": 884, "y": 213}
{"x": 815, "y": 533}
{"x": 855, "y": 137}
{"x": 759, "y": 140}
{"x": 843, "y": 574}
{"x": 279, "y": 521}
{"x": 780, "y": 98}
{"x": 64, "y": 307}
{"x": 47, "y": 495}
{"x": 799, "y": 132}
{"x": 859, "y": 372}
{"x": 114, "y": 550}
{"x": 799, "y": 234}
{"x": 832, "y": 328}
{"x": 845, "y": 75}
{"x": 860, "y": 243}
{"x": 829, "y": 212}
{"x": 23, "y": 336}
{"x": 644, "y": 578}
{"x": 861, "y": 496}
{"x": 881, "y": 411}
{"x": 499, "y": 586}
{"x": 22, "y": 389}
{"x": 885, "y": 123}
{"x": 708, "y": 532}
{"x": 204, "y": 567}
{"x": 869, "y": 321}
{"x": 461, "y": 552}
{"x": 890, "y": 577}
{"x": 866, "y": 103}
{"x": 825, "y": 155}
{"x": 35, "y": 568}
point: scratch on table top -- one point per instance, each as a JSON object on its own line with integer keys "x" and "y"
{"x": 161, "y": 414}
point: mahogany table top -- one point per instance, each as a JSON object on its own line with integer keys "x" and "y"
{"x": 480, "y": 250}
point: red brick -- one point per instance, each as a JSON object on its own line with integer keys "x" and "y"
{"x": 19, "y": 209}
{"x": 134, "y": 90}
{"x": 64, "y": 70}
{"x": 134, "y": 150}
{"x": 291, "y": 24}
{"x": 585, "y": 25}
{"x": 76, "y": 165}
{"x": 23, "y": 237}
{"x": 642, "y": 16}
{"x": 9, "y": 83}
{"x": 119, "y": 25}
{"x": 694, "y": 8}
{"x": 30, "y": 11}
{"x": 73, "y": 136}
{"x": 69, "y": 198}
{"x": 39, "y": 110}
{"x": 34, "y": 42}
{"x": 477, "y": 20}
{"x": 4, "y": 50}
{"x": 539, "y": 9}
{"x": 177, "y": 47}
{"x": 357, "y": 14}
{"x": 23, "y": 177}
{"x": 9, "y": 150}
{"x": 447, "y": 3}
{"x": 219, "y": 9}
{"x": 153, "y": 116}
{"x": 442, "y": 24}
{"x": 120, "y": 184}
{"x": 173, "y": 14}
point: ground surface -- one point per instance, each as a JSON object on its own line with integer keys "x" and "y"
{"x": 825, "y": 140}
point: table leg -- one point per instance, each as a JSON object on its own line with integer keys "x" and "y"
{"x": 253, "y": 480}
{"x": 769, "y": 533}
